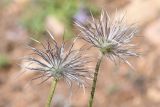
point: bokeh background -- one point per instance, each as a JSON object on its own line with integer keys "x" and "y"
{"x": 118, "y": 86}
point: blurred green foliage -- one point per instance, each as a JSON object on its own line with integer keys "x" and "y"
{"x": 113, "y": 89}
{"x": 4, "y": 62}
{"x": 3, "y": 3}
{"x": 34, "y": 16}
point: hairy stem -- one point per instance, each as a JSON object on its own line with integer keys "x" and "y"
{"x": 51, "y": 93}
{"x": 94, "y": 81}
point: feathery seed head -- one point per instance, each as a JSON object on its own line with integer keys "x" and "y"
{"x": 112, "y": 37}
{"x": 58, "y": 62}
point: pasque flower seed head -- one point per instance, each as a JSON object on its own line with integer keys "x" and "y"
{"x": 112, "y": 37}
{"x": 59, "y": 62}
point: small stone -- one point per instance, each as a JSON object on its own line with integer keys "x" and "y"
{"x": 55, "y": 26}
{"x": 153, "y": 94}
{"x": 152, "y": 32}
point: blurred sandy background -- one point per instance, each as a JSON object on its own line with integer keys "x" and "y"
{"x": 116, "y": 87}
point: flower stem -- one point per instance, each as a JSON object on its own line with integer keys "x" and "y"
{"x": 51, "y": 93}
{"x": 94, "y": 81}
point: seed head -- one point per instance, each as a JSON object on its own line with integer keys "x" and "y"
{"x": 58, "y": 62}
{"x": 112, "y": 37}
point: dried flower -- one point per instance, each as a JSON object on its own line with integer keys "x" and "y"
{"x": 58, "y": 62}
{"x": 112, "y": 37}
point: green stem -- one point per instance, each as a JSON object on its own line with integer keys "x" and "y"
{"x": 94, "y": 81}
{"x": 51, "y": 93}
